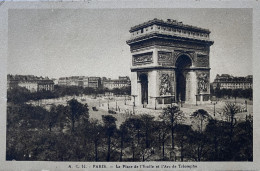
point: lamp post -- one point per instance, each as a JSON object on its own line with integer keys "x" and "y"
{"x": 116, "y": 105}
{"x": 133, "y": 107}
{"x": 108, "y": 104}
{"x": 215, "y": 137}
{"x": 125, "y": 99}
{"x": 134, "y": 99}
{"x": 196, "y": 100}
{"x": 214, "y": 108}
{"x": 154, "y": 103}
{"x": 246, "y": 104}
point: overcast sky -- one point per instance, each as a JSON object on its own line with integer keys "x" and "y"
{"x": 92, "y": 42}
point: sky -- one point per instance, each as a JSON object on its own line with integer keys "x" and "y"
{"x": 92, "y": 42}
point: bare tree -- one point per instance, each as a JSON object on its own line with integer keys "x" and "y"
{"x": 230, "y": 110}
{"x": 199, "y": 117}
{"x": 110, "y": 128}
{"x": 76, "y": 110}
{"x": 172, "y": 116}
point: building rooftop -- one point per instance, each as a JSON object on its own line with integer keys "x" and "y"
{"x": 230, "y": 78}
{"x": 169, "y": 22}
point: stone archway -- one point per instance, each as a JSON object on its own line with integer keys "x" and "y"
{"x": 174, "y": 57}
{"x": 143, "y": 78}
{"x": 183, "y": 64}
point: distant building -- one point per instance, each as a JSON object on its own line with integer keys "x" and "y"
{"x": 47, "y": 85}
{"x": 63, "y": 81}
{"x": 81, "y": 81}
{"x": 226, "y": 81}
{"x": 73, "y": 81}
{"x": 31, "y": 85}
{"x": 117, "y": 83}
{"x": 94, "y": 82}
{"x": 85, "y": 82}
{"x": 30, "y": 82}
{"x": 70, "y": 81}
{"x": 55, "y": 81}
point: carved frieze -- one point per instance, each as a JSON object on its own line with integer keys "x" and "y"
{"x": 202, "y": 61}
{"x": 165, "y": 58}
{"x": 165, "y": 87}
{"x": 140, "y": 45}
{"x": 203, "y": 82}
{"x": 142, "y": 59}
{"x": 168, "y": 43}
{"x": 180, "y": 44}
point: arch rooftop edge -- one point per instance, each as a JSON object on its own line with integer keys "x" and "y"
{"x": 169, "y": 22}
{"x": 170, "y": 29}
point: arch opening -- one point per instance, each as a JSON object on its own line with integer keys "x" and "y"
{"x": 144, "y": 88}
{"x": 182, "y": 65}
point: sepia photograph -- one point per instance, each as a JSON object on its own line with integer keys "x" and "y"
{"x": 129, "y": 85}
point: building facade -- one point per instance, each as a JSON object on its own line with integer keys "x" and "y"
{"x": 47, "y": 85}
{"x": 226, "y": 81}
{"x": 30, "y": 85}
{"x": 170, "y": 62}
{"x": 121, "y": 82}
{"x": 30, "y": 82}
{"x": 94, "y": 82}
{"x": 81, "y": 81}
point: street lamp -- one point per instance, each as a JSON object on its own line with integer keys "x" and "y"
{"x": 133, "y": 107}
{"x": 116, "y": 105}
{"x": 134, "y": 98}
{"x": 246, "y": 104}
{"x": 214, "y": 108}
{"x": 196, "y": 100}
{"x": 155, "y": 103}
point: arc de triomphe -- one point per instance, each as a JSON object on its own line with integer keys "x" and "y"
{"x": 170, "y": 63}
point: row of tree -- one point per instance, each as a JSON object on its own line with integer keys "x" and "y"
{"x": 242, "y": 93}
{"x": 65, "y": 133}
{"x": 21, "y": 94}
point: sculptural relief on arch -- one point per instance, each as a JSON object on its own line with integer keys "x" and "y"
{"x": 170, "y": 63}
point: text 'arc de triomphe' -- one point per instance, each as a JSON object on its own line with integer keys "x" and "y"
{"x": 170, "y": 62}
